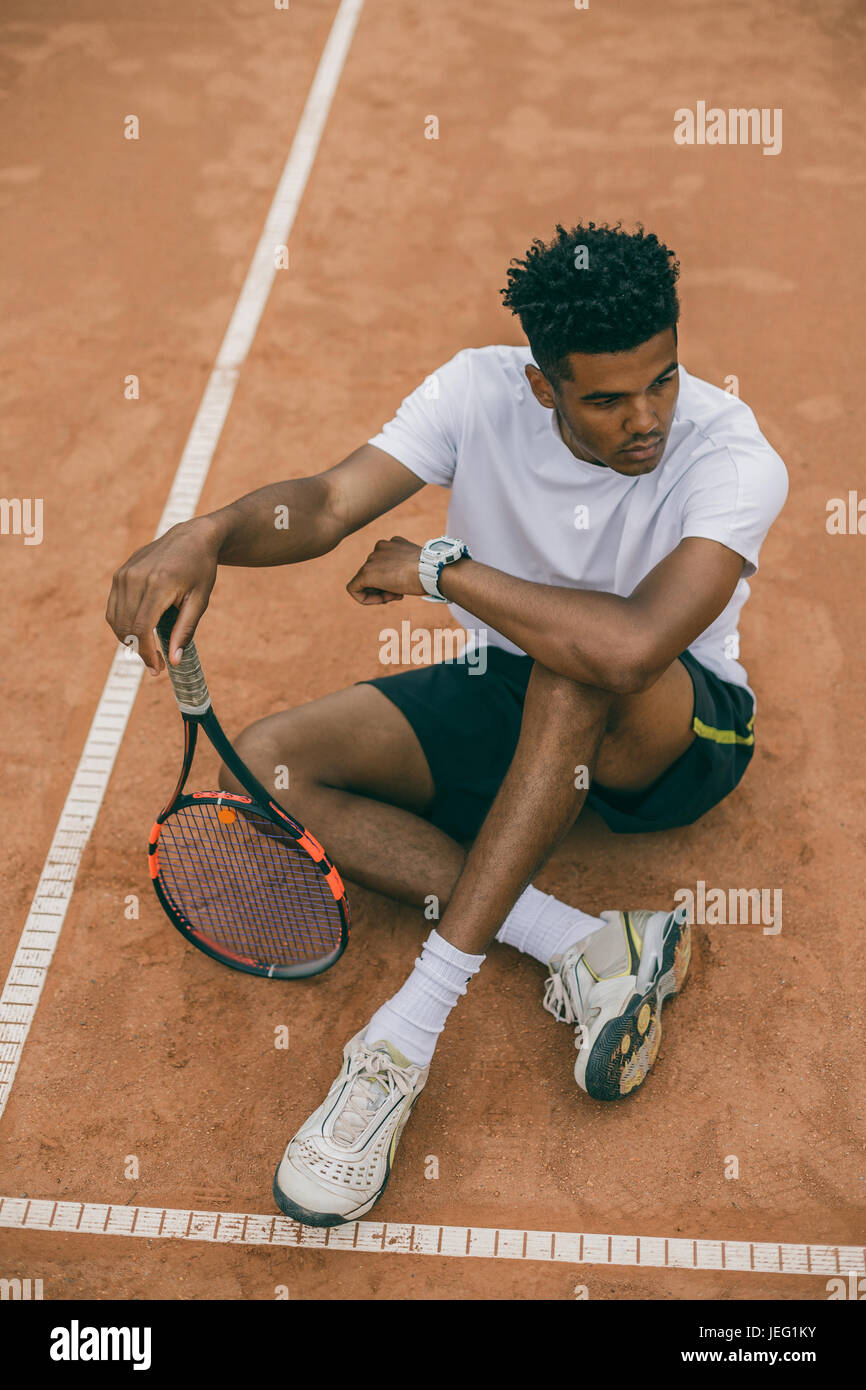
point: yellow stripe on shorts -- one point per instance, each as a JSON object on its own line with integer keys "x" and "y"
{"x": 724, "y": 735}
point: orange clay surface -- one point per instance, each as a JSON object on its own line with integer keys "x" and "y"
{"x": 127, "y": 257}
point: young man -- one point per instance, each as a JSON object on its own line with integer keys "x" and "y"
{"x": 606, "y": 511}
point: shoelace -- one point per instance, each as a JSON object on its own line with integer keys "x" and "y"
{"x": 377, "y": 1079}
{"x": 556, "y": 999}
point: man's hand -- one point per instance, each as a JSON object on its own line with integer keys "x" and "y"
{"x": 389, "y": 572}
{"x": 179, "y": 568}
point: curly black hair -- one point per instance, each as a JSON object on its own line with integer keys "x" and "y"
{"x": 592, "y": 289}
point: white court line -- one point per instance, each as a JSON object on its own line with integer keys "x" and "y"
{"x": 35, "y": 951}
{"x": 481, "y": 1242}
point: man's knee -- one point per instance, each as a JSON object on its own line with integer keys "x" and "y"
{"x": 645, "y": 733}
{"x": 256, "y": 754}
{"x": 561, "y": 698}
{"x": 266, "y": 759}
{"x": 355, "y": 740}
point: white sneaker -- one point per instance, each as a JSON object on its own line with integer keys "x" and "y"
{"x": 336, "y": 1166}
{"x": 612, "y": 985}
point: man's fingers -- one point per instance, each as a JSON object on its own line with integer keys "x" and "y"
{"x": 125, "y": 604}
{"x": 132, "y": 634}
{"x": 361, "y": 590}
{"x": 180, "y": 569}
{"x": 367, "y": 596}
{"x": 155, "y": 600}
{"x": 361, "y": 594}
{"x": 118, "y": 611}
{"x": 148, "y": 647}
{"x": 145, "y": 644}
{"x": 190, "y": 611}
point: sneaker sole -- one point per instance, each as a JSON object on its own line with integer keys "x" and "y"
{"x": 305, "y": 1217}
{"x": 626, "y": 1048}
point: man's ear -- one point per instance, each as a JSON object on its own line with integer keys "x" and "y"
{"x": 541, "y": 387}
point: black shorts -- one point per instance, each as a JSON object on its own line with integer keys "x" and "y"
{"x": 468, "y": 725}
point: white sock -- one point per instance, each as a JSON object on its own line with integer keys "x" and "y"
{"x": 413, "y": 1019}
{"x": 544, "y": 927}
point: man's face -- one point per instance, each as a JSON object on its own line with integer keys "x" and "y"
{"x": 618, "y": 407}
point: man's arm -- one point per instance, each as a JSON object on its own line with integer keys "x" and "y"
{"x": 180, "y": 567}
{"x": 619, "y": 644}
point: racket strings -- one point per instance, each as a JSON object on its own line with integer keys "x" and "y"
{"x": 245, "y": 884}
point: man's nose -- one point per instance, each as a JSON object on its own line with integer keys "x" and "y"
{"x": 641, "y": 417}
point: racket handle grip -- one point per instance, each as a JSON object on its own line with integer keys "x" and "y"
{"x": 187, "y": 678}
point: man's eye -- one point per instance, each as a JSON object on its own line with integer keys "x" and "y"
{"x": 605, "y": 404}
{"x": 665, "y": 381}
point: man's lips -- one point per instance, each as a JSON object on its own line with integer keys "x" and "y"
{"x": 642, "y": 450}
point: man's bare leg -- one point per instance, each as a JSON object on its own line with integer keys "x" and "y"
{"x": 562, "y": 730}
{"x": 360, "y": 781}
{"x": 386, "y": 1065}
{"x": 610, "y": 977}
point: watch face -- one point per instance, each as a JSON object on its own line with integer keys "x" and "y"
{"x": 441, "y": 545}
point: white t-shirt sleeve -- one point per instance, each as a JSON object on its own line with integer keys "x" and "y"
{"x": 424, "y": 435}
{"x": 734, "y": 498}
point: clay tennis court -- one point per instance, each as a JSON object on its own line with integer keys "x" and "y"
{"x": 126, "y": 258}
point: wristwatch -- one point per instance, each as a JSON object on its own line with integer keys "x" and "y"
{"x": 435, "y": 555}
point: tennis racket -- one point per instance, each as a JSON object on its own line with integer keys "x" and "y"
{"x": 236, "y": 875}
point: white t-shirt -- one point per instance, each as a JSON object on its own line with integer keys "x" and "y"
{"x": 525, "y": 505}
